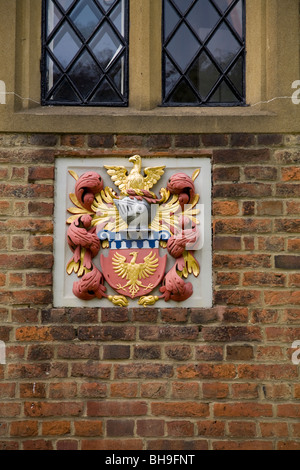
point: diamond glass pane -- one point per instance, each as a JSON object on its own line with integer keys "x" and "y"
{"x": 86, "y": 16}
{"x": 236, "y": 74}
{"x": 65, "y": 3}
{"x": 203, "y": 74}
{"x": 223, "y": 45}
{"x": 106, "y": 4}
{"x": 183, "y": 94}
{"x": 223, "y": 94}
{"x": 105, "y": 89}
{"x": 223, "y": 4}
{"x": 172, "y": 75}
{"x": 105, "y": 45}
{"x": 183, "y": 46}
{"x": 85, "y": 74}
{"x": 85, "y": 52}
{"x": 183, "y": 5}
{"x": 53, "y": 17}
{"x": 65, "y": 44}
{"x": 203, "y": 17}
{"x": 116, "y": 72}
{"x": 54, "y": 73}
{"x": 171, "y": 18}
{"x": 117, "y": 17}
{"x": 203, "y": 52}
{"x": 65, "y": 92}
{"x": 235, "y": 18}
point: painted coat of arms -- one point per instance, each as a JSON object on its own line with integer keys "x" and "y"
{"x": 131, "y": 229}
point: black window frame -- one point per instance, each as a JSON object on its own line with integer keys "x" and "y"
{"x": 241, "y": 53}
{"x": 45, "y": 95}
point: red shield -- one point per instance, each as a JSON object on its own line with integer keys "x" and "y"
{"x": 133, "y": 272}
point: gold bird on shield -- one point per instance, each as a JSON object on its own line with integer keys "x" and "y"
{"x": 133, "y": 271}
{"x": 134, "y": 180}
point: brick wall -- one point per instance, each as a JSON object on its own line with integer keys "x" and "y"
{"x": 182, "y": 379}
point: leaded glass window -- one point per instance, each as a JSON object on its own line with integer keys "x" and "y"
{"x": 203, "y": 52}
{"x": 85, "y": 52}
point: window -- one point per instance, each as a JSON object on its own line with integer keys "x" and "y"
{"x": 203, "y": 52}
{"x": 85, "y": 52}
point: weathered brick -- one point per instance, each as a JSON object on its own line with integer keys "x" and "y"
{"x": 180, "y": 409}
{"x": 241, "y": 156}
{"x": 287, "y": 262}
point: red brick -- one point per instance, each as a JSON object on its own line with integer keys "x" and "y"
{"x": 225, "y": 208}
{"x": 240, "y": 353}
{"x": 179, "y": 352}
{"x": 214, "y": 140}
{"x": 242, "y": 445}
{"x": 159, "y": 141}
{"x": 282, "y": 297}
{"x": 106, "y": 333}
{"x": 191, "y": 140}
{"x": 241, "y": 297}
{"x": 227, "y": 243}
{"x": 290, "y": 174}
{"x": 168, "y": 333}
{"x": 114, "y": 315}
{"x": 153, "y": 390}
{"x": 180, "y": 409}
{"x": 63, "y": 390}
{"x": 246, "y": 226}
{"x": 185, "y": 390}
{"x": 274, "y": 429}
{"x": 101, "y": 140}
{"x": 37, "y": 173}
{"x": 124, "y": 390}
{"x": 232, "y": 333}
{"x": 10, "y": 410}
{"x": 288, "y": 411}
{"x": 39, "y": 444}
{"x": 242, "y": 140}
{"x": 263, "y": 279}
{"x": 226, "y": 174}
{"x": 120, "y": 427}
{"x": 112, "y": 444}
{"x": 117, "y": 408}
{"x": 242, "y": 429}
{"x": 267, "y": 371}
{"x": 130, "y": 141}
{"x": 142, "y": 370}
{"x": 93, "y": 390}
{"x": 43, "y": 140}
{"x": 180, "y": 428}
{"x": 242, "y": 410}
{"x": 245, "y": 391}
{"x": 241, "y": 156}
{"x": 73, "y": 140}
{"x": 207, "y": 371}
{"x": 287, "y": 262}
{"x": 49, "y": 409}
{"x": 288, "y": 445}
{"x": 215, "y": 391}
{"x": 209, "y": 428}
{"x": 150, "y": 428}
{"x": 260, "y": 173}
{"x": 174, "y": 315}
{"x": 56, "y": 428}
{"x": 91, "y": 370}
{"x": 24, "y": 428}
{"x": 147, "y": 352}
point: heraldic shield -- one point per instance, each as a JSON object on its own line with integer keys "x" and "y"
{"x": 133, "y": 272}
{"x": 132, "y": 228}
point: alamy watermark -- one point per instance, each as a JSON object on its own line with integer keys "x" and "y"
{"x": 296, "y": 94}
{"x": 296, "y": 354}
{"x": 2, "y": 352}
